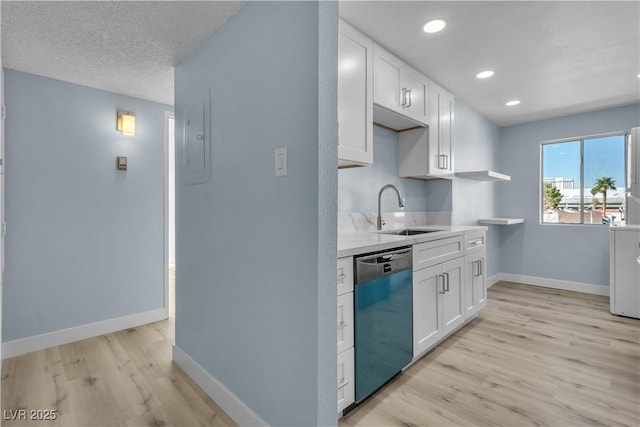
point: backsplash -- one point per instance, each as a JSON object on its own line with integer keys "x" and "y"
{"x": 353, "y": 221}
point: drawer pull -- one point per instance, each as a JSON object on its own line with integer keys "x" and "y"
{"x": 476, "y": 243}
{"x": 342, "y": 324}
{"x": 343, "y": 384}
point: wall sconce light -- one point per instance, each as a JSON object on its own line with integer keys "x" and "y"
{"x": 126, "y": 123}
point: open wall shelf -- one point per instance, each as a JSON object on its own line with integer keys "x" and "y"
{"x": 501, "y": 221}
{"x": 484, "y": 176}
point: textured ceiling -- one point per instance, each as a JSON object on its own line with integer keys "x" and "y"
{"x": 127, "y": 47}
{"x": 557, "y": 57}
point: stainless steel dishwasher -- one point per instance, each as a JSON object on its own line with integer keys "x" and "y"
{"x": 383, "y": 307}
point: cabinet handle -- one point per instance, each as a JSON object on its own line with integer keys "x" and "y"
{"x": 446, "y": 275}
{"x": 476, "y": 265}
{"x": 342, "y": 277}
{"x": 443, "y": 157}
{"x": 404, "y": 96}
{"x": 342, "y": 324}
{"x": 438, "y": 279}
{"x": 408, "y": 92}
{"x": 343, "y": 384}
{"x": 481, "y": 266}
{"x": 446, "y": 161}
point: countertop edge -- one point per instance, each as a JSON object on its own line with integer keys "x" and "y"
{"x": 366, "y": 247}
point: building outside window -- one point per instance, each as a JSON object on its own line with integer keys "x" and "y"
{"x": 583, "y": 180}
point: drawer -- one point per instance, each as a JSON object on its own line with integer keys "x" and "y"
{"x": 345, "y": 321}
{"x": 346, "y": 386}
{"x": 474, "y": 242}
{"x": 437, "y": 251}
{"x": 345, "y": 275}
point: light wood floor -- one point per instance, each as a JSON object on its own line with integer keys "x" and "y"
{"x": 120, "y": 379}
{"x": 533, "y": 357}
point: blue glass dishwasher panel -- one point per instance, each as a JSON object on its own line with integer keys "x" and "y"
{"x": 384, "y": 330}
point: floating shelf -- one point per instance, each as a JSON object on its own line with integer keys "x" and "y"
{"x": 501, "y": 221}
{"x": 484, "y": 176}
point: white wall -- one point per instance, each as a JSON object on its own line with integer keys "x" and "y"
{"x": 85, "y": 242}
{"x": 256, "y": 253}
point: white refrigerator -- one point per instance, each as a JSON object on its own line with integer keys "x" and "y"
{"x": 632, "y": 192}
{"x": 624, "y": 258}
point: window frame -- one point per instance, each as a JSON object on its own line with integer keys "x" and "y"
{"x": 581, "y": 140}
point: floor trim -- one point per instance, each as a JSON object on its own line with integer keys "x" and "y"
{"x": 229, "y": 402}
{"x": 566, "y": 285}
{"x": 82, "y": 332}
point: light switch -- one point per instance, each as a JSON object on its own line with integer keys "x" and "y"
{"x": 281, "y": 161}
{"x": 121, "y": 163}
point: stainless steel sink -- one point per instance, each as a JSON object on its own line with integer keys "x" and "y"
{"x": 407, "y": 232}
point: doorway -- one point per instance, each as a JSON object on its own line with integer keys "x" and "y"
{"x": 170, "y": 218}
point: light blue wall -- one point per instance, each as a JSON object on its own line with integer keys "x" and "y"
{"x": 255, "y": 282}
{"x": 476, "y": 142}
{"x": 84, "y": 241}
{"x": 562, "y": 252}
{"x": 358, "y": 187}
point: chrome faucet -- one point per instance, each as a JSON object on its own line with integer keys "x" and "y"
{"x": 400, "y": 203}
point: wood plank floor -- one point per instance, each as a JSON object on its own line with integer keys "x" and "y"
{"x": 122, "y": 379}
{"x": 533, "y": 357}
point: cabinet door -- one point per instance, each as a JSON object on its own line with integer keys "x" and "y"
{"x": 440, "y": 131}
{"x": 480, "y": 286}
{"x": 416, "y": 95}
{"x": 446, "y": 128}
{"x": 436, "y": 158}
{"x": 346, "y": 386}
{"x": 386, "y": 80}
{"x": 453, "y": 313}
{"x": 427, "y": 330}
{"x": 474, "y": 289}
{"x": 345, "y": 322}
{"x": 355, "y": 120}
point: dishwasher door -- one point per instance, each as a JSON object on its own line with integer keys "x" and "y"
{"x": 383, "y": 319}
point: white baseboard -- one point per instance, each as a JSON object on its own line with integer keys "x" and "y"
{"x": 77, "y": 333}
{"x": 566, "y": 285}
{"x": 493, "y": 280}
{"x": 229, "y": 402}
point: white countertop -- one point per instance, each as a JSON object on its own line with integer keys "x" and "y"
{"x": 360, "y": 242}
{"x": 625, "y": 227}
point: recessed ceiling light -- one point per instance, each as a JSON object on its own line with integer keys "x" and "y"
{"x": 512, "y": 103}
{"x": 434, "y": 26}
{"x": 484, "y": 74}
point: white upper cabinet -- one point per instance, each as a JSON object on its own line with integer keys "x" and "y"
{"x": 400, "y": 93}
{"x": 355, "y": 105}
{"x": 441, "y": 129}
{"x": 428, "y": 153}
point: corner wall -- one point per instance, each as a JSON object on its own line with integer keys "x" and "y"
{"x": 573, "y": 253}
{"x": 85, "y": 242}
{"x": 476, "y": 142}
{"x": 255, "y": 282}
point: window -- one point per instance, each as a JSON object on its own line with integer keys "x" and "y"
{"x": 583, "y": 180}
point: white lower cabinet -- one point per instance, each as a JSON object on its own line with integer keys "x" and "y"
{"x": 344, "y": 334}
{"x": 475, "y": 288}
{"x": 437, "y": 303}
{"x": 346, "y": 386}
{"x": 452, "y": 302}
{"x": 345, "y": 322}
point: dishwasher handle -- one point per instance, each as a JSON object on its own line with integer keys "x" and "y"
{"x": 373, "y": 266}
